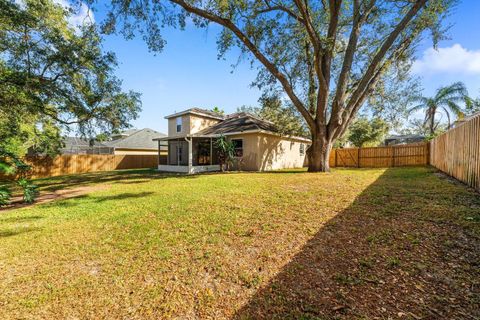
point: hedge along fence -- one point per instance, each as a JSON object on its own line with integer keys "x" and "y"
{"x": 457, "y": 152}
{"x": 81, "y": 163}
{"x": 381, "y": 157}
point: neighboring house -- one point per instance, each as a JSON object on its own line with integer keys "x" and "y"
{"x": 137, "y": 141}
{"x": 404, "y": 139}
{"x": 259, "y": 147}
{"x": 75, "y": 145}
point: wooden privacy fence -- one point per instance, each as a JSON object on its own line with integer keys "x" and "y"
{"x": 457, "y": 152}
{"x": 381, "y": 157}
{"x": 81, "y": 163}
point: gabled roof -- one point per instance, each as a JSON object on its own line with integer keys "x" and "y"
{"x": 199, "y": 112}
{"x": 405, "y": 136}
{"x": 137, "y": 139}
{"x": 238, "y": 122}
{"x": 75, "y": 142}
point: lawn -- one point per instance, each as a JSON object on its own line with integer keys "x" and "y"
{"x": 361, "y": 243}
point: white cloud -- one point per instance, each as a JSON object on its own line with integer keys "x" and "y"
{"x": 81, "y": 13}
{"x": 449, "y": 60}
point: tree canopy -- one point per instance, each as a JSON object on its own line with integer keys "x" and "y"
{"x": 364, "y": 132}
{"x": 447, "y": 100}
{"x": 284, "y": 116}
{"x": 327, "y": 56}
{"x": 54, "y": 76}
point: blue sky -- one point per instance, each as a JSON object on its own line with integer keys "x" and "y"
{"x": 187, "y": 73}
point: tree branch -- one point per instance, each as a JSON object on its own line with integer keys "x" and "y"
{"x": 227, "y": 23}
{"x": 382, "y": 51}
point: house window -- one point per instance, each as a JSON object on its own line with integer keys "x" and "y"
{"x": 238, "y": 145}
{"x": 179, "y": 124}
{"x": 302, "y": 149}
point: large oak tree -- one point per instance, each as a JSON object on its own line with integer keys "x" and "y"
{"x": 327, "y": 56}
{"x": 55, "y": 75}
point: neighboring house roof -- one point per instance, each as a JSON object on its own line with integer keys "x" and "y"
{"x": 405, "y": 138}
{"x": 198, "y": 111}
{"x": 76, "y": 142}
{"x": 238, "y": 122}
{"x": 76, "y": 145}
{"x": 137, "y": 139}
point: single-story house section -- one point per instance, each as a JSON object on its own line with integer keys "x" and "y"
{"x": 258, "y": 145}
{"x": 137, "y": 141}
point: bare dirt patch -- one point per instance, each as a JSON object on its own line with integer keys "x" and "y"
{"x": 46, "y": 196}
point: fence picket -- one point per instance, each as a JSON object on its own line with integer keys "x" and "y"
{"x": 457, "y": 152}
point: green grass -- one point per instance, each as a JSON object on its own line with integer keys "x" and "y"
{"x": 150, "y": 245}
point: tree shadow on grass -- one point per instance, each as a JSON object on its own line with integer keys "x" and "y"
{"x": 13, "y": 232}
{"x": 20, "y": 219}
{"x": 98, "y": 199}
{"x": 402, "y": 250}
{"x": 119, "y": 176}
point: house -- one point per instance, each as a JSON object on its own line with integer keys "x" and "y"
{"x": 258, "y": 145}
{"x": 137, "y": 141}
{"x": 404, "y": 139}
{"x": 76, "y": 145}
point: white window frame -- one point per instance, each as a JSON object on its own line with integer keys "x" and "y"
{"x": 178, "y": 123}
{"x": 302, "y": 149}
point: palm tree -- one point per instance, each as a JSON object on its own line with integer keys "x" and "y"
{"x": 445, "y": 101}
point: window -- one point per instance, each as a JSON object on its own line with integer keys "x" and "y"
{"x": 238, "y": 145}
{"x": 302, "y": 149}
{"x": 179, "y": 124}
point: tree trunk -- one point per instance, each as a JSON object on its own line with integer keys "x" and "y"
{"x": 319, "y": 154}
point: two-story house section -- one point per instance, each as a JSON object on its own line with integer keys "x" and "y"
{"x": 258, "y": 145}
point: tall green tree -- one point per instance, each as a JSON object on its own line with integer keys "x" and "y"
{"x": 55, "y": 76}
{"x": 446, "y": 100}
{"x": 365, "y": 132}
{"x": 327, "y": 56}
{"x": 284, "y": 116}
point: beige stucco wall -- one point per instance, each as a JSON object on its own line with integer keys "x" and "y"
{"x": 199, "y": 123}
{"x": 138, "y": 151}
{"x": 264, "y": 152}
{"x": 190, "y": 124}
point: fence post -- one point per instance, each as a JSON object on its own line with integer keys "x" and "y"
{"x": 393, "y": 156}
{"x": 358, "y": 157}
{"x": 336, "y": 155}
{"x": 427, "y": 146}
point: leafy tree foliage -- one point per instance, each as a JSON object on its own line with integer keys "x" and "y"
{"x": 327, "y": 56}
{"x": 218, "y": 110}
{"x": 284, "y": 116}
{"x": 364, "y": 132}
{"x": 472, "y": 106}
{"x": 226, "y": 152}
{"x": 10, "y": 164}
{"x": 54, "y": 76}
{"x": 393, "y": 96}
{"x": 445, "y": 101}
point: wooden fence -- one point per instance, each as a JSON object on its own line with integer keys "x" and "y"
{"x": 457, "y": 152}
{"x": 81, "y": 163}
{"x": 381, "y": 157}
